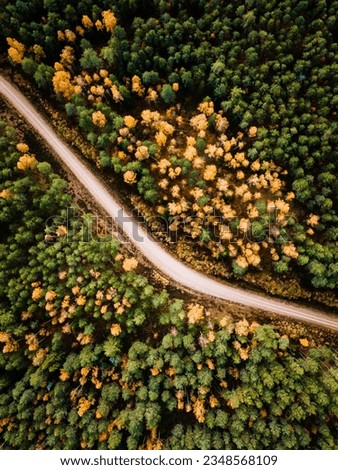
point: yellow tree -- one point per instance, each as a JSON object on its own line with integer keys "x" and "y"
{"x": 22, "y": 147}
{"x": 16, "y": 50}
{"x": 67, "y": 56}
{"x": 109, "y": 20}
{"x": 99, "y": 119}
{"x": 130, "y": 177}
{"x": 87, "y": 22}
{"x": 62, "y": 84}
{"x": 26, "y": 162}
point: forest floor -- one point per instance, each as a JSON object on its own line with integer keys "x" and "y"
{"x": 195, "y": 257}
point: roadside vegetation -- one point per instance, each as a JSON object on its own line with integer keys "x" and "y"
{"x": 222, "y": 118}
{"x": 220, "y": 121}
{"x": 94, "y": 356}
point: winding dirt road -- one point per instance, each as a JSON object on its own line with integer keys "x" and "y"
{"x": 157, "y": 255}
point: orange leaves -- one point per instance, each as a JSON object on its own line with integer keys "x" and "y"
{"x": 213, "y": 402}
{"x": 252, "y": 132}
{"x": 129, "y": 264}
{"x": 210, "y": 172}
{"x": 173, "y": 173}
{"x": 263, "y": 413}
{"x": 22, "y": 147}
{"x": 150, "y": 117}
{"x": 180, "y": 399}
{"x": 39, "y": 356}
{"x": 103, "y": 309}
{"x": 98, "y": 91}
{"x": 153, "y": 442}
{"x": 242, "y": 262}
{"x": 27, "y": 162}
{"x": 50, "y": 295}
{"x": 16, "y": 50}
{"x": 211, "y": 337}
{"x": 312, "y": 220}
{"x": 99, "y": 119}
{"x": 130, "y": 121}
{"x": 199, "y": 123}
{"x": 290, "y": 250}
{"x": 165, "y": 127}
{"x": 142, "y": 153}
{"x": 32, "y": 342}
{"x": 84, "y": 339}
{"x": 152, "y": 95}
{"x": 213, "y": 151}
{"x": 210, "y": 364}
{"x": 109, "y": 20}
{"x": 62, "y": 84}
{"x": 163, "y": 165}
{"x": 5, "y": 194}
{"x": 37, "y": 292}
{"x": 255, "y": 166}
{"x": 64, "y": 375}
{"x": 75, "y": 289}
{"x": 86, "y": 374}
{"x": 221, "y": 123}
{"x": 114, "y": 423}
{"x": 4, "y": 423}
{"x": 116, "y": 94}
{"x": 87, "y": 22}
{"x": 70, "y": 35}
{"x": 242, "y": 328}
{"x": 171, "y": 372}
{"x": 81, "y": 300}
{"x": 232, "y": 404}
{"x": 190, "y": 153}
{"x": 195, "y": 313}
{"x": 115, "y": 329}
{"x": 84, "y": 405}
{"x": 206, "y": 107}
{"x": 199, "y": 410}
{"x": 10, "y": 344}
{"x": 67, "y": 56}
{"x": 104, "y": 74}
{"x": 61, "y": 231}
{"x": 160, "y": 138}
{"x": 25, "y": 315}
{"x": 137, "y": 86}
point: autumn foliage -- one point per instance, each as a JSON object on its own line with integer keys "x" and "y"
{"x": 94, "y": 356}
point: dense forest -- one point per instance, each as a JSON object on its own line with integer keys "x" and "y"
{"x": 221, "y": 115}
{"x": 75, "y": 372}
{"x": 220, "y": 120}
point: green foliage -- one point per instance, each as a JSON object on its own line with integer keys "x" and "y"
{"x": 90, "y": 60}
{"x": 43, "y": 76}
{"x": 95, "y": 357}
{"x": 78, "y": 372}
{"x": 168, "y": 94}
{"x": 271, "y": 66}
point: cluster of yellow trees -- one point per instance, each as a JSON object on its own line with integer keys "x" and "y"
{"x": 228, "y": 186}
{"x": 201, "y": 169}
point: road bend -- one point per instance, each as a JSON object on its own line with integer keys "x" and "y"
{"x": 153, "y": 251}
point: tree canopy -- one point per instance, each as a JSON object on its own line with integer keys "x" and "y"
{"x": 94, "y": 356}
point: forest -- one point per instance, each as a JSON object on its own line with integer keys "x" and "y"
{"x": 75, "y": 372}
{"x": 220, "y": 120}
{"x": 220, "y": 116}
